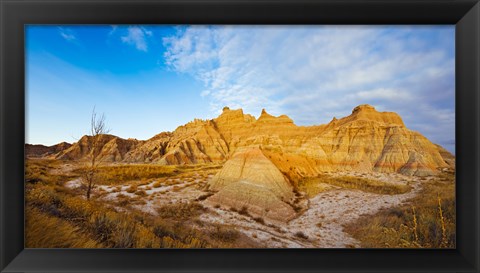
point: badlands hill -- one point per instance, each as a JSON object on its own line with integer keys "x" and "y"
{"x": 366, "y": 140}
{"x": 38, "y": 150}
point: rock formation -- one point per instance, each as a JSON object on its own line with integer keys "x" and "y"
{"x": 112, "y": 148}
{"x": 366, "y": 140}
{"x": 249, "y": 180}
{"x": 38, "y": 150}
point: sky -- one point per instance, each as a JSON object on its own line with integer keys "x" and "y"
{"x": 147, "y": 79}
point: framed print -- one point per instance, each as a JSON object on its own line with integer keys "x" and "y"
{"x": 240, "y": 136}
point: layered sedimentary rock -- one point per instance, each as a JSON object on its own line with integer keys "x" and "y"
{"x": 110, "y": 148}
{"x": 249, "y": 180}
{"x": 38, "y": 150}
{"x": 366, "y": 140}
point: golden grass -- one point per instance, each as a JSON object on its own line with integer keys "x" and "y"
{"x": 111, "y": 175}
{"x": 181, "y": 211}
{"x": 132, "y": 189}
{"x": 38, "y": 171}
{"x": 313, "y": 185}
{"x": 60, "y": 233}
{"x": 428, "y": 221}
{"x": 224, "y": 234}
{"x": 59, "y": 217}
{"x": 68, "y": 221}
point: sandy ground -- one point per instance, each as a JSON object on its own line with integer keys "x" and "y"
{"x": 170, "y": 191}
{"x": 322, "y": 224}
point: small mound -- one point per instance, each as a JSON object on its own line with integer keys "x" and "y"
{"x": 249, "y": 179}
{"x": 250, "y": 164}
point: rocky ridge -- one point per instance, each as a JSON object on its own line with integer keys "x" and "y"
{"x": 38, "y": 150}
{"x": 366, "y": 140}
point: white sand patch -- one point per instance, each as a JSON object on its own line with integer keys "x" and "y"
{"x": 73, "y": 184}
{"x": 332, "y": 209}
{"x": 335, "y": 208}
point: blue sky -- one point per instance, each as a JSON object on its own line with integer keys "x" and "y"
{"x": 149, "y": 79}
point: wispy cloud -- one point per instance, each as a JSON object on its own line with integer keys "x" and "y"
{"x": 136, "y": 36}
{"x": 67, "y": 34}
{"x": 313, "y": 73}
{"x": 113, "y": 30}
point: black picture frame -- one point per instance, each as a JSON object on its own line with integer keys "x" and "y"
{"x": 14, "y": 14}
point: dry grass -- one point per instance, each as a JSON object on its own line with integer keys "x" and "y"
{"x": 224, "y": 234}
{"x": 61, "y": 219}
{"x": 244, "y": 211}
{"x": 116, "y": 174}
{"x": 132, "y": 189}
{"x": 157, "y": 184}
{"x": 38, "y": 171}
{"x": 428, "y": 221}
{"x": 181, "y": 211}
{"x": 313, "y": 185}
{"x": 204, "y": 196}
{"x": 66, "y": 221}
{"x": 62, "y": 234}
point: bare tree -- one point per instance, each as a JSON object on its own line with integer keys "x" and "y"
{"x": 97, "y": 129}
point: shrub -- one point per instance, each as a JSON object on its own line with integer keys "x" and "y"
{"x": 141, "y": 193}
{"x": 132, "y": 189}
{"x": 244, "y": 211}
{"x": 181, "y": 211}
{"x": 301, "y": 235}
{"x": 259, "y": 220}
{"x": 224, "y": 234}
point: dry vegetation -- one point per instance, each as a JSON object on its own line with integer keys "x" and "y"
{"x": 57, "y": 217}
{"x": 113, "y": 174}
{"x": 314, "y": 185}
{"x": 118, "y": 174}
{"x": 60, "y": 217}
{"x": 427, "y": 221}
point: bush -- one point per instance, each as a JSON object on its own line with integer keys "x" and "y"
{"x": 259, "y": 220}
{"x": 141, "y": 193}
{"x": 181, "y": 211}
{"x": 300, "y": 234}
{"x": 224, "y": 234}
{"x": 244, "y": 211}
{"x": 132, "y": 189}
